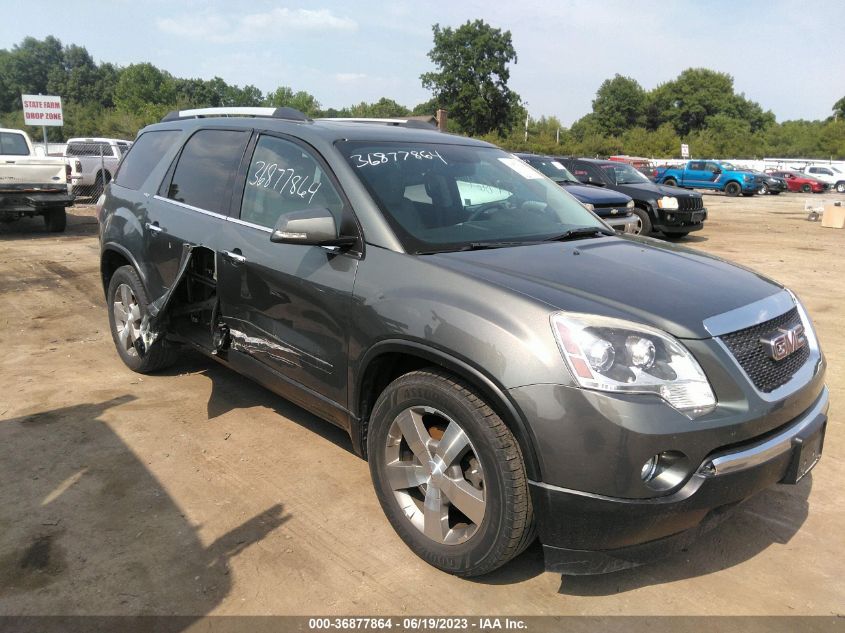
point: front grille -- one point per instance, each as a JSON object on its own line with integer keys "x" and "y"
{"x": 690, "y": 203}
{"x": 766, "y": 374}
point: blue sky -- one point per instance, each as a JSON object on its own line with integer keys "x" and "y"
{"x": 787, "y": 55}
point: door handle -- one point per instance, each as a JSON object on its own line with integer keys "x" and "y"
{"x": 235, "y": 258}
{"x": 153, "y": 227}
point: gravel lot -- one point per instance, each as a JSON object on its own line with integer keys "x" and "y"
{"x": 198, "y": 492}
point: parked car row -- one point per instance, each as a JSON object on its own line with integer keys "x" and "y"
{"x": 623, "y": 196}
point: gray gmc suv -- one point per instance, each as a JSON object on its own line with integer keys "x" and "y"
{"x": 510, "y": 368}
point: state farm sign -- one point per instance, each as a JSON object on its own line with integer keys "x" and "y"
{"x": 42, "y": 110}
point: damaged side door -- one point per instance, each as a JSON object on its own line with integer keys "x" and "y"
{"x": 286, "y": 306}
{"x": 184, "y": 221}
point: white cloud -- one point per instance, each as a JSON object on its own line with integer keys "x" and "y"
{"x": 218, "y": 28}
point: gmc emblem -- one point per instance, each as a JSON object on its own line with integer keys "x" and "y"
{"x": 783, "y": 342}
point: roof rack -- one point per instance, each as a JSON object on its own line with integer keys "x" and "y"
{"x": 290, "y": 114}
{"x": 414, "y": 123}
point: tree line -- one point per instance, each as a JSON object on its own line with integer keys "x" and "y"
{"x": 700, "y": 107}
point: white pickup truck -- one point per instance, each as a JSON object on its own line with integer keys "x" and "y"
{"x": 32, "y": 185}
{"x": 833, "y": 176}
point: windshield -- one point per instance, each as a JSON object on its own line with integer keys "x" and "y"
{"x": 624, "y": 174}
{"x": 552, "y": 168}
{"x": 440, "y": 197}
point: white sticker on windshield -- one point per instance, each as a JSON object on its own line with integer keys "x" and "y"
{"x": 558, "y": 165}
{"x": 523, "y": 169}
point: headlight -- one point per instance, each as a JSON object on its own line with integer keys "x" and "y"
{"x": 619, "y": 356}
{"x": 630, "y": 204}
{"x": 668, "y": 202}
{"x": 589, "y": 206}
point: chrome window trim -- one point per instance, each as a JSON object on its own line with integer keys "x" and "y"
{"x": 213, "y": 214}
{"x": 250, "y": 224}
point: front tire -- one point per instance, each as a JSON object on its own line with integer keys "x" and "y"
{"x": 670, "y": 182}
{"x": 733, "y": 189}
{"x": 644, "y": 220}
{"x": 675, "y": 235}
{"x": 449, "y": 474}
{"x": 763, "y": 190}
{"x": 127, "y": 303}
{"x": 55, "y": 219}
{"x": 806, "y": 188}
{"x": 840, "y": 187}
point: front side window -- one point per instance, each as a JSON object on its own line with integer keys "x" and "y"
{"x": 144, "y": 155}
{"x": 207, "y": 168}
{"x": 441, "y": 197}
{"x": 13, "y": 144}
{"x": 284, "y": 178}
{"x": 697, "y": 166}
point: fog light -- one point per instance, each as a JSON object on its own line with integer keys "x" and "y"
{"x": 649, "y": 469}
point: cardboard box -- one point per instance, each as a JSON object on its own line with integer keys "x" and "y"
{"x": 834, "y": 217}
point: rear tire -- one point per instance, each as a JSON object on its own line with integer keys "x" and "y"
{"x": 748, "y": 194}
{"x": 55, "y": 219}
{"x": 733, "y": 189}
{"x": 127, "y": 305}
{"x": 449, "y": 474}
{"x": 675, "y": 235}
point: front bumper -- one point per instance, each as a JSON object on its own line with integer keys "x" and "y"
{"x": 669, "y": 220}
{"x": 584, "y": 533}
{"x": 622, "y": 224}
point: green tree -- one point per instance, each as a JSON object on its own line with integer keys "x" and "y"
{"x": 284, "y": 96}
{"x": 697, "y": 94}
{"x": 620, "y": 104}
{"x": 141, "y": 86}
{"x": 384, "y": 108}
{"x": 839, "y": 109}
{"x": 472, "y": 76}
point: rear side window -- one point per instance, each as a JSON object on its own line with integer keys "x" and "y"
{"x": 13, "y": 144}
{"x": 143, "y": 156}
{"x": 207, "y": 168}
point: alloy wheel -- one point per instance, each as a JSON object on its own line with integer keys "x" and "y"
{"x": 435, "y": 474}
{"x": 127, "y": 318}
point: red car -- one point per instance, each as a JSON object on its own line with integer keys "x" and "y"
{"x": 796, "y": 181}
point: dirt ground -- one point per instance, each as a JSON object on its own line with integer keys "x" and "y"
{"x": 198, "y": 492}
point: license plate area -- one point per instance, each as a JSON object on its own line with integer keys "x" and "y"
{"x": 806, "y": 452}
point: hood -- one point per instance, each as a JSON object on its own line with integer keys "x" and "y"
{"x": 639, "y": 279}
{"x": 651, "y": 191}
{"x": 596, "y": 195}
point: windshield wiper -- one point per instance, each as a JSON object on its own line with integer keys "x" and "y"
{"x": 475, "y": 246}
{"x": 581, "y": 231}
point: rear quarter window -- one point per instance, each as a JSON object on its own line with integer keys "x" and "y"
{"x": 143, "y": 156}
{"x": 207, "y": 168}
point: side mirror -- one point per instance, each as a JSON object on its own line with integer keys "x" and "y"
{"x": 595, "y": 182}
{"x": 314, "y": 227}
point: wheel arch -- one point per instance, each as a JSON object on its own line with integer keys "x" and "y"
{"x": 112, "y": 257}
{"x": 389, "y": 359}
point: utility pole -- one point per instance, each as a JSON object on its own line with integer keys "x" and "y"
{"x": 526, "y": 121}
